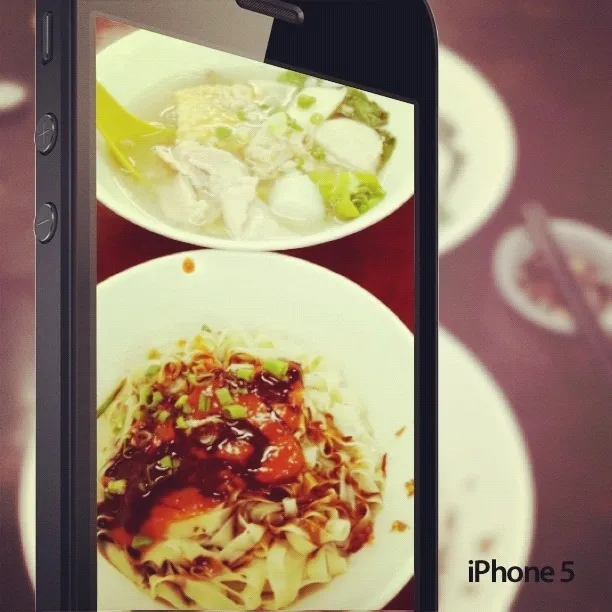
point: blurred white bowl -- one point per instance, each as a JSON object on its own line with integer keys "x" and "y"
{"x": 515, "y": 248}
{"x": 485, "y": 136}
{"x": 140, "y": 61}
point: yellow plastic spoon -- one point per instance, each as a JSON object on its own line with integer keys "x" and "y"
{"x": 129, "y": 138}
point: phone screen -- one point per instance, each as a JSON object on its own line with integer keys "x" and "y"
{"x": 255, "y": 413}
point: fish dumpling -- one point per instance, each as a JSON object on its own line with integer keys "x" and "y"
{"x": 351, "y": 144}
{"x": 297, "y": 201}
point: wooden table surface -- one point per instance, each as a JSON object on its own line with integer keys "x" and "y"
{"x": 551, "y": 62}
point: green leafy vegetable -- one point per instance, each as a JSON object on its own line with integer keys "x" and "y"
{"x": 356, "y": 105}
{"x": 389, "y": 143}
{"x": 348, "y": 194}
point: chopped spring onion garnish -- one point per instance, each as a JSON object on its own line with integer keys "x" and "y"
{"x": 116, "y": 487}
{"x": 245, "y": 373}
{"x": 277, "y": 367}
{"x": 144, "y": 394}
{"x": 317, "y": 119}
{"x": 294, "y": 125}
{"x": 305, "y": 101}
{"x": 181, "y": 423}
{"x": 141, "y": 542}
{"x": 292, "y": 78}
{"x": 148, "y": 397}
{"x": 163, "y": 416}
{"x": 235, "y": 411}
{"x": 224, "y": 396}
{"x": 165, "y": 462}
{"x": 223, "y": 132}
{"x": 152, "y": 370}
{"x": 318, "y": 152}
{"x": 204, "y": 403}
{"x": 181, "y": 401}
{"x": 205, "y": 328}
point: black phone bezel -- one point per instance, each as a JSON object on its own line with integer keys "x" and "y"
{"x": 65, "y": 273}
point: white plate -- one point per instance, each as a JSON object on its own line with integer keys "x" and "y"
{"x": 485, "y": 483}
{"x": 141, "y": 60}
{"x": 515, "y": 247}
{"x": 485, "y": 136}
{"x": 157, "y": 303}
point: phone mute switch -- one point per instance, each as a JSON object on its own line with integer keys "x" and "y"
{"x": 46, "y": 38}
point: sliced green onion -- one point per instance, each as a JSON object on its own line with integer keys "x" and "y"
{"x": 245, "y": 373}
{"x": 181, "y": 401}
{"x": 144, "y": 395}
{"x": 241, "y": 115}
{"x": 116, "y": 487}
{"x": 204, "y": 403}
{"x": 141, "y": 542}
{"x": 318, "y": 152}
{"x": 304, "y": 101}
{"x": 277, "y": 367}
{"x": 137, "y": 415}
{"x": 187, "y": 409}
{"x": 235, "y": 411}
{"x": 163, "y": 416}
{"x": 292, "y": 78}
{"x": 152, "y": 370}
{"x": 294, "y": 125}
{"x": 156, "y": 399}
{"x": 224, "y": 396}
{"x": 317, "y": 119}
{"x": 181, "y": 423}
{"x": 206, "y": 328}
{"x": 165, "y": 462}
{"x": 223, "y": 132}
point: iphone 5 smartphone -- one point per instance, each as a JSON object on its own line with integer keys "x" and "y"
{"x": 236, "y": 256}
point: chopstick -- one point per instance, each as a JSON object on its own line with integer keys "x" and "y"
{"x": 585, "y": 319}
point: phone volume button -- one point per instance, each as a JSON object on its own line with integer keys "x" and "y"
{"x": 45, "y": 223}
{"x": 46, "y": 134}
